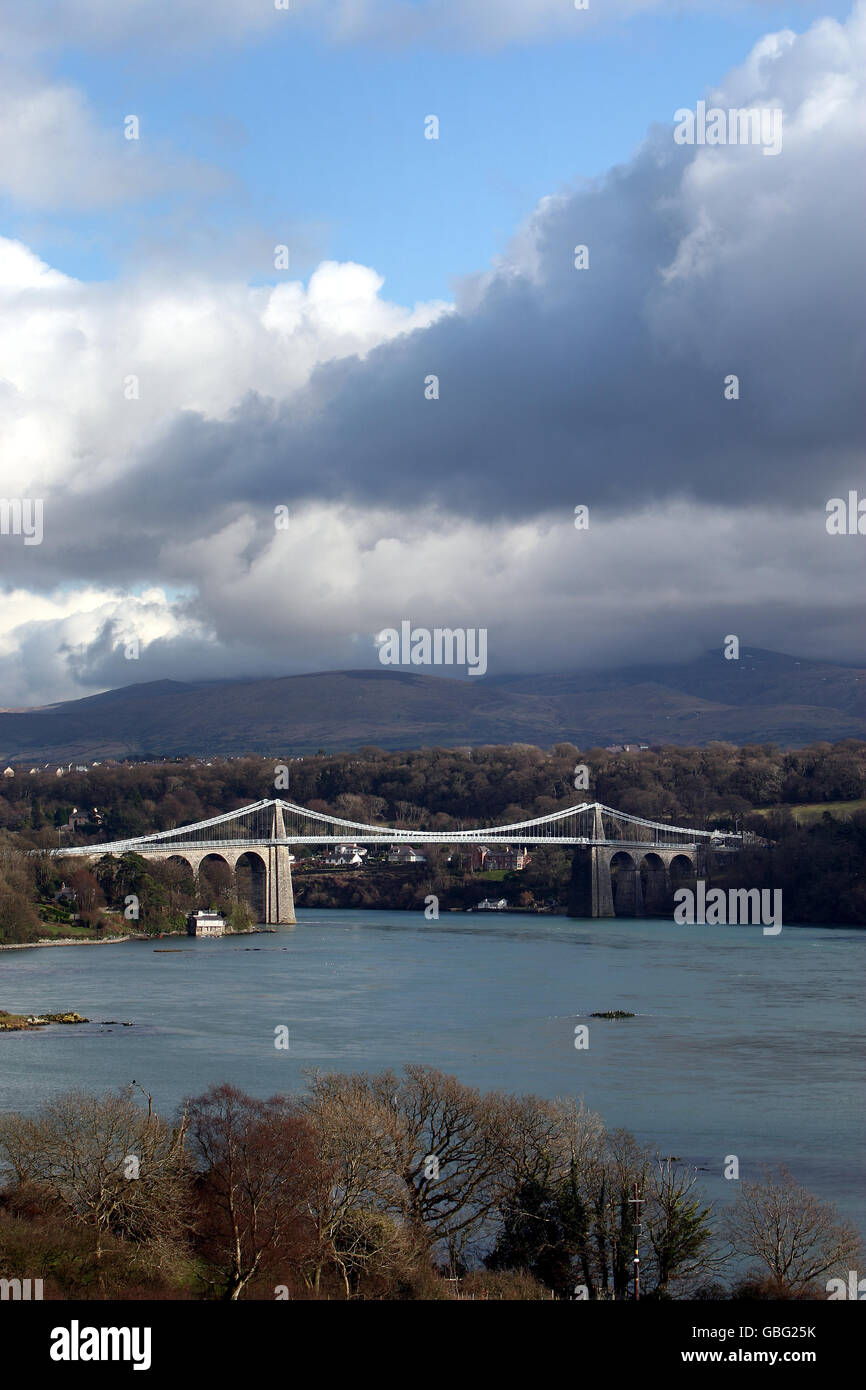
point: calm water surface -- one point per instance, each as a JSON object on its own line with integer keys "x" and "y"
{"x": 743, "y": 1044}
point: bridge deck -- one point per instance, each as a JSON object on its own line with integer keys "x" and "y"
{"x": 268, "y": 824}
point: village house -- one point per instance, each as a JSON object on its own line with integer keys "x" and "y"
{"x": 205, "y": 924}
{"x": 346, "y": 857}
{"x": 78, "y": 818}
{"x": 483, "y": 858}
{"x": 405, "y": 854}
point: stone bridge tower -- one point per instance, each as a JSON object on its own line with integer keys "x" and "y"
{"x": 274, "y": 859}
{"x": 280, "y": 896}
{"x": 644, "y": 880}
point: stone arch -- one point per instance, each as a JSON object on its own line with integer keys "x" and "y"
{"x": 215, "y": 879}
{"x": 681, "y": 868}
{"x": 251, "y": 880}
{"x": 655, "y": 882}
{"x": 181, "y": 860}
{"x": 181, "y": 881}
{"x": 625, "y": 884}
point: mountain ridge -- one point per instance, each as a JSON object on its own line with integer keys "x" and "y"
{"x": 765, "y": 697}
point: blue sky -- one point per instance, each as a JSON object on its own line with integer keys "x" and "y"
{"x": 321, "y": 146}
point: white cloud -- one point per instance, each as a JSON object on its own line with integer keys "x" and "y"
{"x": 201, "y": 23}
{"x": 676, "y": 580}
{"x": 68, "y": 351}
{"x": 53, "y": 154}
{"x": 46, "y": 640}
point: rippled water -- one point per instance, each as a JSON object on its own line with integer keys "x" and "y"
{"x": 743, "y": 1044}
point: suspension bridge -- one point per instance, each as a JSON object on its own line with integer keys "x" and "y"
{"x": 641, "y": 856}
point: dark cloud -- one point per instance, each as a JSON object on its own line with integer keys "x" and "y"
{"x": 557, "y": 386}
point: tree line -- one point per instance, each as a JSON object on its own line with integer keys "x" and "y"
{"x": 818, "y": 866}
{"x": 386, "y": 1186}
{"x": 443, "y": 787}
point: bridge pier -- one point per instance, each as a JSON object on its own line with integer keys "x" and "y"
{"x": 601, "y": 904}
{"x": 591, "y": 890}
{"x": 279, "y": 893}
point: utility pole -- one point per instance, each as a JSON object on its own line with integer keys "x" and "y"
{"x": 636, "y": 1202}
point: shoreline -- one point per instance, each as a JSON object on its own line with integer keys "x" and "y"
{"x": 71, "y": 941}
{"x": 455, "y": 911}
{"x": 117, "y": 940}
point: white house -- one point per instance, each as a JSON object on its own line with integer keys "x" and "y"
{"x": 346, "y": 857}
{"x": 405, "y": 854}
{"x": 205, "y": 924}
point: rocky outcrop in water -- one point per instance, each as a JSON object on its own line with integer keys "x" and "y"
{"x": 18, "y": 1023}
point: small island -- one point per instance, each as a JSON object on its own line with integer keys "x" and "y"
{"x": 20, "y": 1023}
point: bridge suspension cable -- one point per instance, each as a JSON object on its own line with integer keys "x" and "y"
{"x": 276, "y": 821}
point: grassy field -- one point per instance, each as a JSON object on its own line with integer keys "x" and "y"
{"x": 814, "y": 810}
{"x": 113, "y": 924}
{"x": 63, "y": 929}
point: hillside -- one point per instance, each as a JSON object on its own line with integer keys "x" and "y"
{"x": 763, "y": 697}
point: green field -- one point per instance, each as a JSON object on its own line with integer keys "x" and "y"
{"x": 813, "y": 810}
{"x": 64, "y": 929}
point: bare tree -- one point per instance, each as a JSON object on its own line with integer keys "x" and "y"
{"x": 423, "y": 1147}
{"x": 601, "y": 1187}
{"x": 105, "y": 1161}
{"x": 376, "y": 1253}
{"x": 451, "y": 1151}
{"x": 87, "y": 891}
{"x": 795, "y": 1237}
{"x": 545, "y": 1213}
{"x": 258, "y": 1176}
{"x": 354, "y": 1138}
{"x": 544, "y": 1139}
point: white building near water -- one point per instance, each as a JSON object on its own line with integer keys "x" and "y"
{"x": 205, "y": 924}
